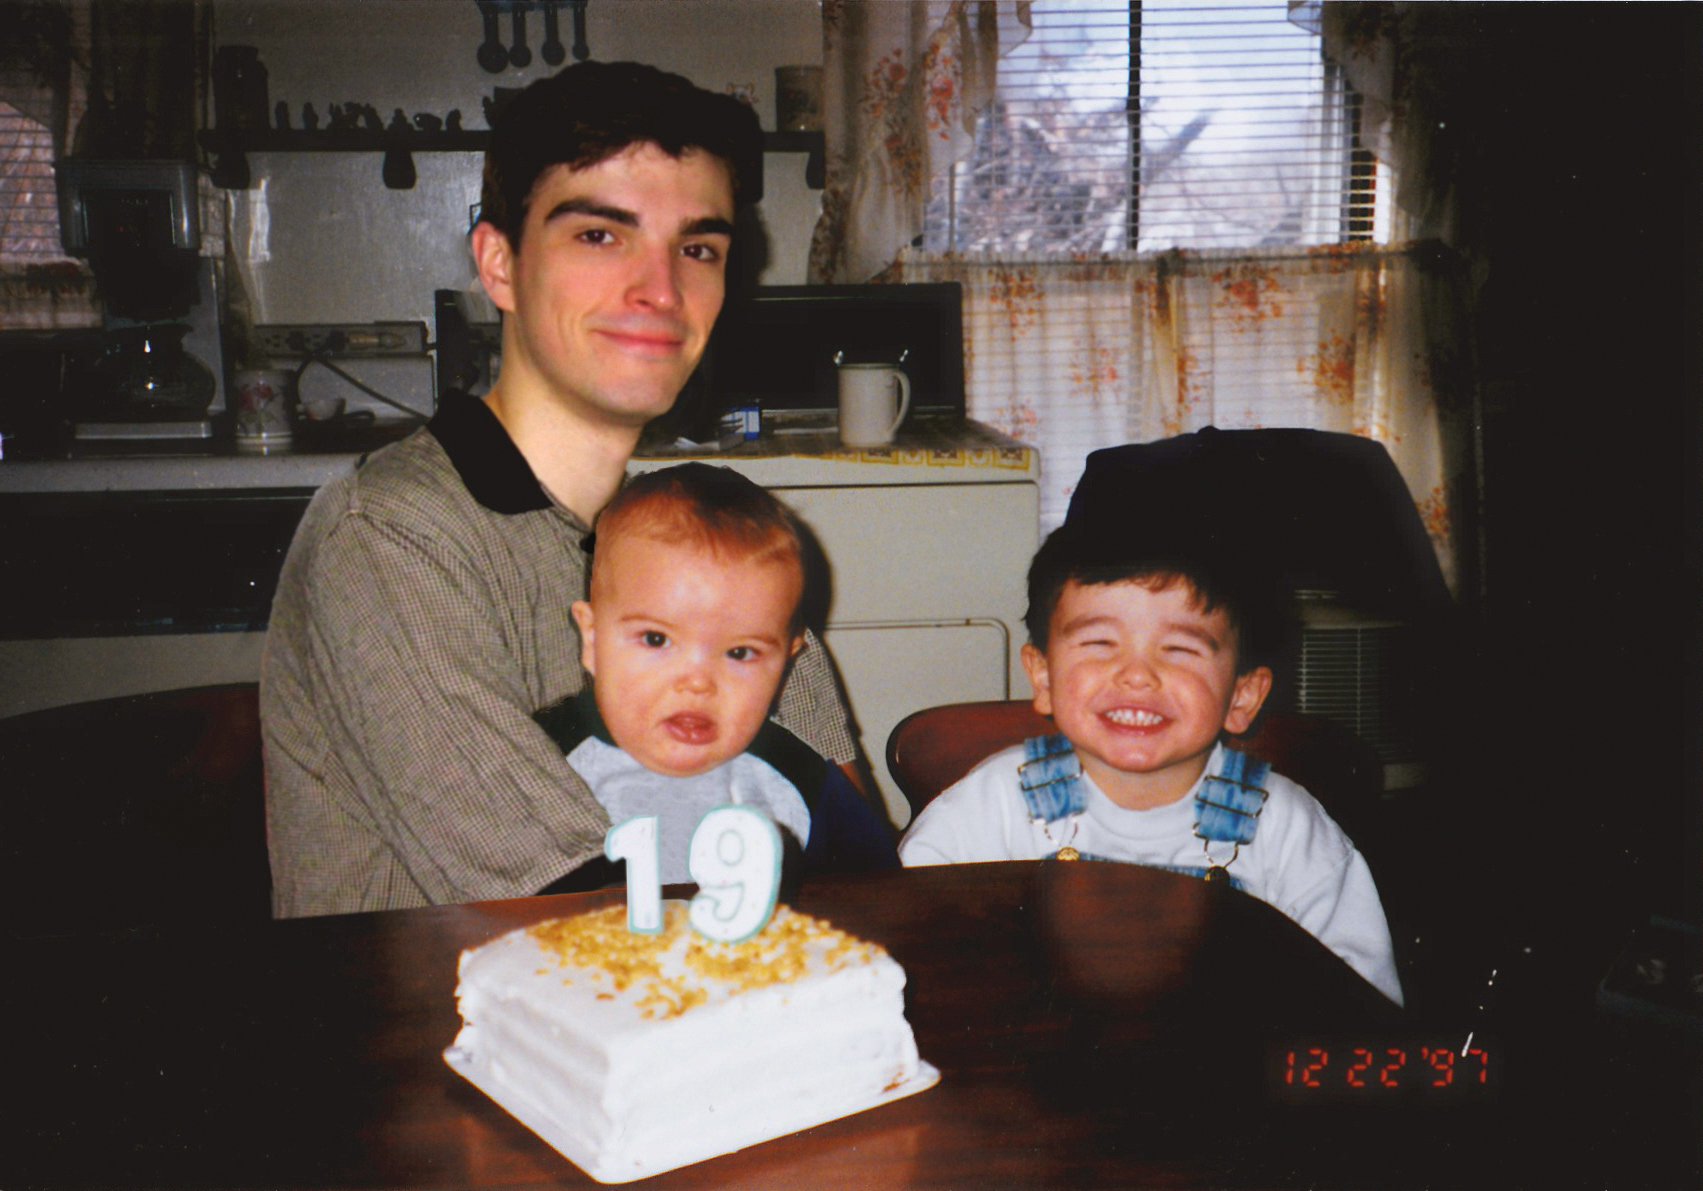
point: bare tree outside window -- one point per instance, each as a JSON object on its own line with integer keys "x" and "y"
{"x": 1158, "y": 125}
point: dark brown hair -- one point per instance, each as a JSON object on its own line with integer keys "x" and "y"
{"x": 592, "y": 111}
{"x": 1253, "y": 599}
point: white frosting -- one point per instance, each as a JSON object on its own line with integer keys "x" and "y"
{"x": 799, "y": 1025}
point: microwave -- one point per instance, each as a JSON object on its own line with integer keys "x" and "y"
{"x": 778, "y": 348}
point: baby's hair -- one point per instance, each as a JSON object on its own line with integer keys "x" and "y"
{"x": 1252, "y": 601}
{"x": 714, "y": 509}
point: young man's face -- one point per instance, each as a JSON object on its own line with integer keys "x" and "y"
{"x": 618, "y": 278}
{"x": 688, "y": 648}
{"x": 1142, "y": 682}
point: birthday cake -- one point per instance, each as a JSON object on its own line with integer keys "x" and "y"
{"x": 637, "y": 1053}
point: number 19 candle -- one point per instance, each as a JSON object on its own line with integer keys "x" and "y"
{"x": 734, "y": 856}
{"x": 634, "y": 840}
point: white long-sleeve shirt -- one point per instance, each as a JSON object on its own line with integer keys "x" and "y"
{"x": 1299, "y": 861}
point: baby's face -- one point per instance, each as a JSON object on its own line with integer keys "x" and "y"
{"x": 688, "y": 649}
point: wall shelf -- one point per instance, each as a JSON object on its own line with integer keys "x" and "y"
{"x": 230, "y": 149}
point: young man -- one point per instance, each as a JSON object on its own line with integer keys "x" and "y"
{"x": 422, "y": 616}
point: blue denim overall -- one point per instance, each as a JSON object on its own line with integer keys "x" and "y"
{"x": 1227, "y": 806}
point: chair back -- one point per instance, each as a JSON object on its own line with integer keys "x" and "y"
{"x": 144, "y": 810}
{"x": 932, "y": 748}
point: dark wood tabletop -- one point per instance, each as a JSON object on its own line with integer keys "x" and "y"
{"x": 1096, "y": 1025}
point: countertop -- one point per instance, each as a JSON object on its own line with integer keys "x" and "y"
{"x": 802, "y": 450}
{"x": 317, "y": 456}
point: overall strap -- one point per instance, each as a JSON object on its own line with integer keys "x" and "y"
{"x": 1228, "y": 806}
{"x": 1051, "y": 779}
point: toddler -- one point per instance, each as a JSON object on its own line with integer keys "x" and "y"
{"x": 1144, "y": 663}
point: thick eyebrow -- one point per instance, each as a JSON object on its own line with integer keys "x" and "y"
{"x": 709, "y": 225}
{"x": 705, "y": 225}
{"x": 1204, "y": 636}
{"x": 1080, "y": 624}
{"x": 585, "y": 206}
{"x": 1089, "y": 623}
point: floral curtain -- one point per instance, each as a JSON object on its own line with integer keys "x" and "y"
{"x": 1073, "y": 356}
{"x": 1079, "y": 354}
{"x": 1421, "y": 70}
{"x": 902, "y": 83}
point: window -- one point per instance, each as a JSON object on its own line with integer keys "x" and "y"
{"x": 1124, "y": 131}
{"x": 41, "y": 287}
{"x": 1145, "y": 126}
{"x": 44, "y": 57}
{"x": 29, "y": 205}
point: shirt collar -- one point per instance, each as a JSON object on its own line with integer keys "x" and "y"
{"x": 1155, "y": 820}
{"x": 485, "y": 457}
{"x": 590, "y": 717}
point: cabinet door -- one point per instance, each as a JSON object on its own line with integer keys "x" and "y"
{"x": 892, "y": 669}
{"x": 53, "y": 672}
{"x": 927, "y": 597}
{"x": 924, "y": 551}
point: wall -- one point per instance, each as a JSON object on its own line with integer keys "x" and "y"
{"x": 1579, "y": 801}
{"x": 320, "y": 239}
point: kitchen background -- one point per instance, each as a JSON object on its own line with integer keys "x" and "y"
{"x": 310, "y": 215}
{"x": 139, "y": 566}
{"x": 318, "y": 238}
{"x": 1578, "y": 760}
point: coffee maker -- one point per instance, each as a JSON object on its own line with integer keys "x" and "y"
{"x": 158, "y": 372}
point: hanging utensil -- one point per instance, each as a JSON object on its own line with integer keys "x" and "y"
{"x": 397, "y": 169}
{"x": 492, "y": 55}
{"x": 519, "y": 56}
{"x": 551, "y": 51}
{"x": 582, "y": 50}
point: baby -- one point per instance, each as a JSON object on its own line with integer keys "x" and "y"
{"x": 693, "y": 618}
{"x": 1144, "y": 663}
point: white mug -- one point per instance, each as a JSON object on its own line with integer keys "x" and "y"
{"x": 867, "y": 399}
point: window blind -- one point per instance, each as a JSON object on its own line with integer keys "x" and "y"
{"x": 1162, "y": 124}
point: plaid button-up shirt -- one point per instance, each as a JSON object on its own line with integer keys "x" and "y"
{"x": 422, "y": 616}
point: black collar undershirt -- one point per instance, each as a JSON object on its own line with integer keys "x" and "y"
{"x": 485, "y": 457}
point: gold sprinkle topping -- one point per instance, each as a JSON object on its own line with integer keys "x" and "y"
{"x": 600, "y": 940}
{"x": 789, "y": 948}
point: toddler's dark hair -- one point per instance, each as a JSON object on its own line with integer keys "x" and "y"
{"x": 1251, "y": 597}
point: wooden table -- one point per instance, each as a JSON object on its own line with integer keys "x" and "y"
{"x": 1096, "y": 1025}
